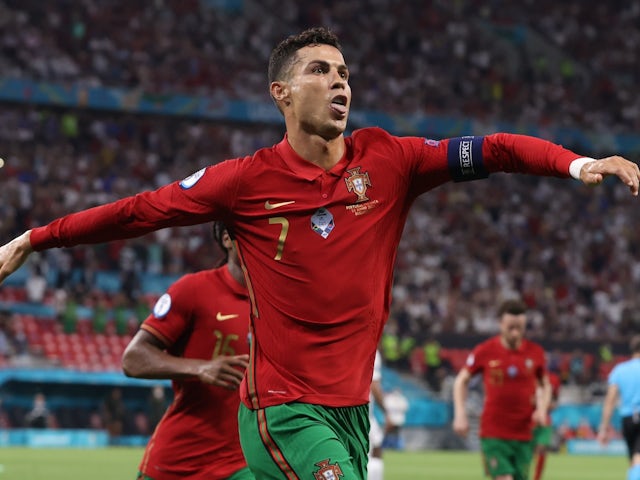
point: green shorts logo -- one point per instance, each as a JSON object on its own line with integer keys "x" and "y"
{"x": 327, "y": 471}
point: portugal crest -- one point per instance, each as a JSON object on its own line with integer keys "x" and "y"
{"x": 327, "y": 471}
{"x": 358, "y": 183}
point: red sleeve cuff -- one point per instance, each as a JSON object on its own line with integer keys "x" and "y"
{"x": 41, "y": 239}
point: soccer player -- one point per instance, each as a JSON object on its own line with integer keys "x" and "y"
{"x": 197, "y": 336}
{"x": 317, "y": 220}
{"x": 624, "y": 385}
{"x": 543, "y": 434}
{"x": 517, "y": 390}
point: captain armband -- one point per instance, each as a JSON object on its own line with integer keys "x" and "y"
{"x": 464, "y": 158}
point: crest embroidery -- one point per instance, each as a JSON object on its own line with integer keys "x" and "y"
{"x": 327, "y": 471}
{"x": 358, "y": 183}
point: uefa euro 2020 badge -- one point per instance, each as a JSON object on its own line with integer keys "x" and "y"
{"x": 322, "y": 222}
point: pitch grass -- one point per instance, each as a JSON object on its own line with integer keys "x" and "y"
{"x": 121, "y": 464}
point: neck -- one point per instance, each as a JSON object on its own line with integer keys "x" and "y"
{"x": 507, "y": 345}
{"x": 316, "y": 149}
{"x": 236, "y": 272}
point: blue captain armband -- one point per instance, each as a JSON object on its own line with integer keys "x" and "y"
{"x": 464, "y": 157}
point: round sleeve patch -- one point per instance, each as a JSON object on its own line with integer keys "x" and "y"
{"x": 471, "y": 360}
{"x": 162, "y": 306}
{"x": 192, "y": 179}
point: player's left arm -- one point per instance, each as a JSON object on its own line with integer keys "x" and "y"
{"x": 608, "y": 406}
{"x": 521, "y": 153}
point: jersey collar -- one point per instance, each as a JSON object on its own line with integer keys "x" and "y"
{"x": 306, "y": 169}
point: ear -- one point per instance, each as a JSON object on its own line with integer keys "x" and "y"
{"x": 280, "y": 92}
{"x": 226, "y": 240}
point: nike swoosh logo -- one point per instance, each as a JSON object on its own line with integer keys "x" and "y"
{"x": 270, "y": 206}
{"x": 221, "y": 318}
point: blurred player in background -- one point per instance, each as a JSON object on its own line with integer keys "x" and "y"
{"x": 543, "y": 434}
{"x": 516, "y": 388}
{"x": 197, "y": 336}
{"x": 624, "y": 385}
{"x": 375, "y": 467}
{"x": 317, "y": 219}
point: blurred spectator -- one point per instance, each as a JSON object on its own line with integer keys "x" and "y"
{"x": 156, "y": 406}
{"x": 5, "y": 346}
{"x": 36, "y": 284}
{"x": 39, "y": 415}
{"x": 114, "y": 413}
{"x": 397, "y": 405}
{"x": 578, "y": 373}
{"x": 565, "y": 432}
{"x": 433, "y": 362}
{"x": 584, "y": 430}
{"x": 5, "y": 421}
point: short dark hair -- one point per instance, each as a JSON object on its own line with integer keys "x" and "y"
{"x": 512, "y": 306}
{"x": 634, "y": 344}
{"x": 283, "y": 55}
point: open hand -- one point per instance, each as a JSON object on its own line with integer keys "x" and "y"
{"x": 627, "y": 171}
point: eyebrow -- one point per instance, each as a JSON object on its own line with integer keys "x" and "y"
{"x": 324, "y": 63}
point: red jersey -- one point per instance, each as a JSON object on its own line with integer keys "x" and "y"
{"x": 510, "y": 378}
{"x": 318, "y": 246}
{"x": 202, "y": 315}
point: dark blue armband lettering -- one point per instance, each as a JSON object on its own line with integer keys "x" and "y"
{"x": 464, "y": 156}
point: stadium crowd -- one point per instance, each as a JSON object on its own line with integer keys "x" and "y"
{"x": 533, "y": 62}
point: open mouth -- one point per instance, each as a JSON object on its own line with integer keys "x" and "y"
{"x": 339, "y": 104}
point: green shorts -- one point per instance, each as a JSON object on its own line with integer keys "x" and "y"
{"x": 243, "y": 474}
{"x": 507, "y": 457}
{"x": 543, "y": 435}
{"x": 304, "y": 441}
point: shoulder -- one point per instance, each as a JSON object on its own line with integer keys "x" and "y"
{"x": 534, "y": 348}
{"x": 490, "y": 344}
{"x": 477, "y": 355}
{"x": 191, "y": 281}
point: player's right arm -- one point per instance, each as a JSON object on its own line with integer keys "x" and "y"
{"x": 202, "y": 197}
{"x": 146, "y": 357}
{"x": 460, "y": 390}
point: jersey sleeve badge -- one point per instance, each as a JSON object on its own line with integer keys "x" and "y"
{"x": 192, "y": 179}
{"x": 162, "y": 306}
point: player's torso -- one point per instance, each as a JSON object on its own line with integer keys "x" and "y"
{"x": 510, "y": 372}
{"x": 201, "y": 424}
{"x": 330, "y": 237}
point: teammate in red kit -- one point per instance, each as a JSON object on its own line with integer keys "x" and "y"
{"x": 516, "y": 388}
{"x": 317, "y": 220}
{"x": 197, "y": 336}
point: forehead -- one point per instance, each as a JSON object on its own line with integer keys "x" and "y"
{"x": 510, "y": 320}
{"x": 320, "y": 53}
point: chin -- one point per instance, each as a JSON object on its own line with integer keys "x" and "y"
{"x": 332, "y": 132}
